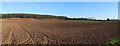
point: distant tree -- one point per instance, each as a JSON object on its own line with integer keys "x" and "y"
{"x": 20, "y": 16}
{"x": 108, "y": 19}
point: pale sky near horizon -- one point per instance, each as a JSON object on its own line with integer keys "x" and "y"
{"x": 98, "y": 10}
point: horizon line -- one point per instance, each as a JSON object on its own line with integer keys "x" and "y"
{"x": 54, "y": 15}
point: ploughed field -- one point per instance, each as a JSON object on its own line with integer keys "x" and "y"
{"x": 51, "y": 31}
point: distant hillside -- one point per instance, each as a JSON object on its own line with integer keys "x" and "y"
{"x": 41, "y": 16}
{"x": 36, "y": 16}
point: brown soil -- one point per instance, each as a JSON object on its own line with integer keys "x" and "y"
{"x": 50, "y": 31}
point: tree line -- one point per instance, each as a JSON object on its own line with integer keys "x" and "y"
{"x": 39, "y": 16}
{"x": 35, "y": 16}
{"x": 92, "y": 19}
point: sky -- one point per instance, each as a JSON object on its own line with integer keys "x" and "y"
{"x": 59, "y": 0}
{"x": 99, "y": 10}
